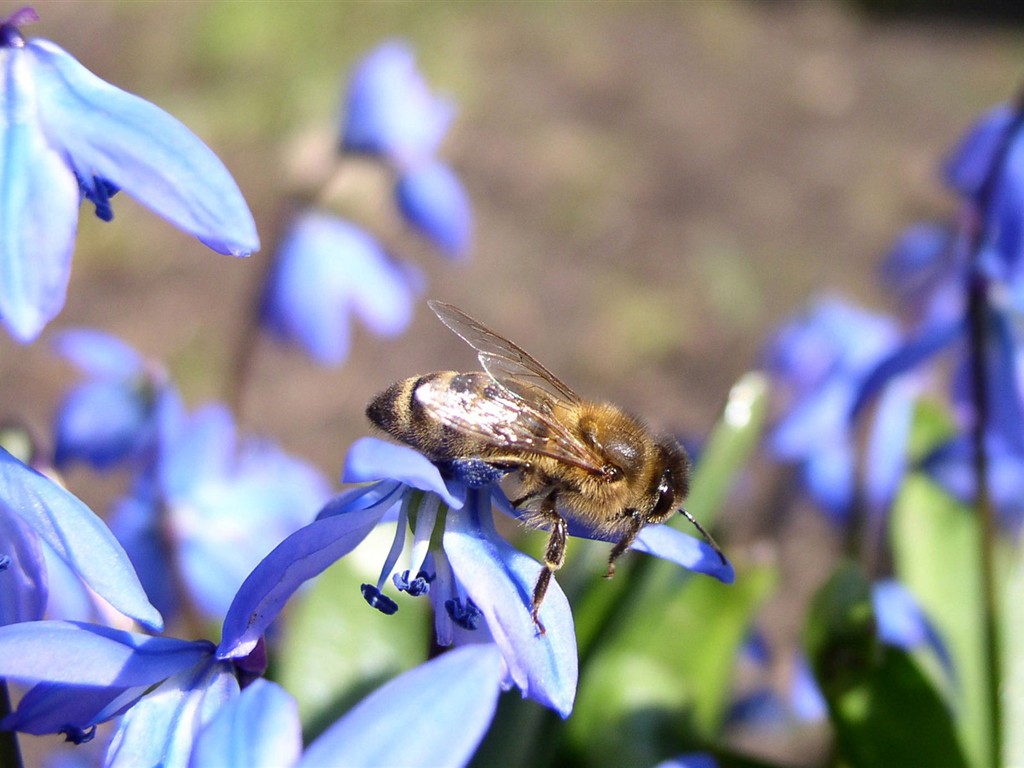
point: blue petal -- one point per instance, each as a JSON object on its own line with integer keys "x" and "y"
{"x": 918, "y": 257}
{"x": 903, "y": 624}
{"x": 910, "y": 354}
{"x": 432, "y": 716}
{"x": 202, "y": 451}
{"x": 98, "y": 353}
{"x": 38, "y": 206}
{"x": 434, "y": 202}
{"x": 830, "y": 478}
{"x": 137, "y": 523}
{"x": 690, "y": 760}
{"x": 108, "y": 133}
{"x": 675, "y": 546}
{"x": 971, "y": 162}
{"x": 303, "y": 555}
{"x": 1007, "y": 411}
{"x": 373, "y": 459}
{"x": 79, "y": 537}
{"x": 53, "y": 708}
{"x": 808, "y": 703}
{"x": 259, "y": 727}
{"x": 326, "y": 270}
{"x": 101, "y": 423}
{"x": 23, "y": 579}
{"x": 886, "y": 453}
{"x": 89, "y": 654}
{"x": 162, "y": 728}
{"x": 390, "y": 110}
{"x": 500, "y": 580}
{"x": 268, "y": 496}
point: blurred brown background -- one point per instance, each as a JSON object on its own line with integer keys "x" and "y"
{"x": 656, "y": 185}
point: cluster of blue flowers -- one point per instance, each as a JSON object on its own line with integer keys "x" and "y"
{"x": 328, "y": 268}
{"x": 218, "y": 527}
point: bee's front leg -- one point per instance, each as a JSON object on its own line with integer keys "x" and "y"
{"x": 623, "y": 544}
{"x": 554, "y": 556}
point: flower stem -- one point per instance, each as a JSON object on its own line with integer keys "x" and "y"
{"x": 978, "y": 321}
{"x": 10, "y": 752}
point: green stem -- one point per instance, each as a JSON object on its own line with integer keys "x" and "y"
{"x": 10, "y": 752}
{"x": 978, "y": 321}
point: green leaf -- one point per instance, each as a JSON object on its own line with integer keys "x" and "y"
{"x": 885, "y": 710}
{"x": 1013, "y": 663}
{"x": 664, "y": 673}
{"x": 727, "y": 450}
{"x": 336, "y": 648}
{"x": 936, "y": 555}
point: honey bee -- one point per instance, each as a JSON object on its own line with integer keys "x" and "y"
{"x": 572, "y": 459}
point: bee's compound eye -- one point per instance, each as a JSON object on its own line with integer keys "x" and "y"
{"x": 666, "y": 496}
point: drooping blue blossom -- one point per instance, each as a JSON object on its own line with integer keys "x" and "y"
{"x": 431, "y": 716}
{"x": 36, "y": 512}
{"x": 390, "y": 111}
{"x": 434, "y": 202}
{"x": 820, "y": 361}
{"x": 326, "y": 272}
{"x": 113, "y": 415}
{"x": 82, "y": 675}
{"x": 66, "y": 135}
{"x": 479, "y": 585}
{"x": 211, "y": 508}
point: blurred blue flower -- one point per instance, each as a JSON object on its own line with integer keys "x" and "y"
{"x": 113, "y": 415}
{"x": 434, "y": 202}
{"x": 325, "y": 270}
{"x": 35, "y": 512}
{"x": 690, "y": 760}
{"x": 480, "y": 586}
{"x": 903, "y": 624}
{"x": 390, "y": 111}
{"x": 764, "y": 706}
{"x": 431, "y": 716}
{"x": 820, "y": 362}
{"x": 68, "y": 135}
{"x": 212, "y": 507}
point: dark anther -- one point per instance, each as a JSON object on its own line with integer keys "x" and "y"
{"x": 415, "y": 587}
{"x": 77, "y": 735}
{"x": 5, "y": 562}
{"x": 466, "y": 615}
{"x": 378, "y": 599}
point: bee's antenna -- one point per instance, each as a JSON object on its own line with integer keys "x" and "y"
{"x": 707, "y": 536}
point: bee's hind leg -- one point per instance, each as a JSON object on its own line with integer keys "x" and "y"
{"x": 554, "y": 555}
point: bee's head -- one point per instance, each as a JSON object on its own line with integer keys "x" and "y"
{"x": 671, "y": 484}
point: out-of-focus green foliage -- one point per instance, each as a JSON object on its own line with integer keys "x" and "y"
{"x": 885, "y": 710}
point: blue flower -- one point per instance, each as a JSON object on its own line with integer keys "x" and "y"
{"x": 390, "y": 112}
{"x": 325, "y": 271}
{"x": 113, "y": 416}
{"x": 480, "y": 586}
{"x": 212, "y": 507}
{"x": 66, "y": 135}
{"x": 35, "y": 512}
{"x": 434, "y": 202}
{"x": 180, "y": 705}
{"x": 821, "y": 361}
{"x": 84, "y": 674}
{"x": 902, "y": 624}
{"x": 431, "y": 716}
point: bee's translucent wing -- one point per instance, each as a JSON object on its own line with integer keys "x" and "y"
{"x": 507, "y": 363}
{"x": 498, "y": 417}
